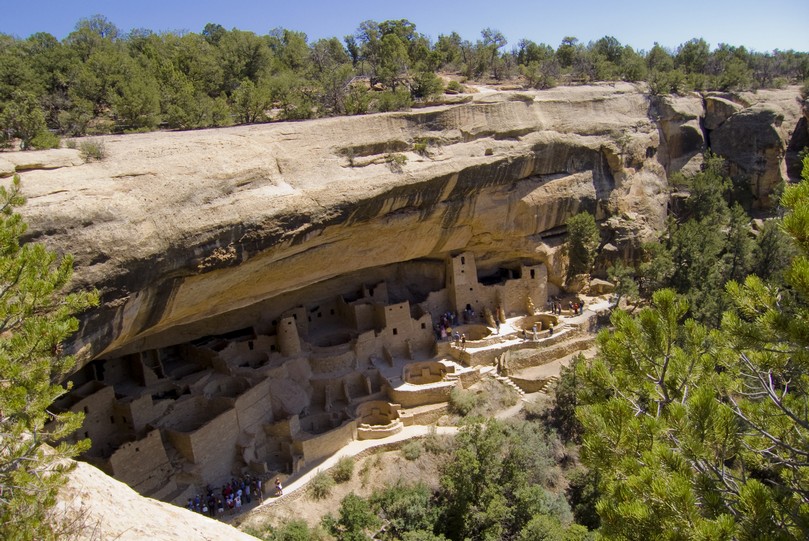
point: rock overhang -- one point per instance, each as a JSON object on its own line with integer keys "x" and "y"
{"x": 178, "y": 229}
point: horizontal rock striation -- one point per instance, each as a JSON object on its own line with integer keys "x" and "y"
{"x": 193, "y": 233}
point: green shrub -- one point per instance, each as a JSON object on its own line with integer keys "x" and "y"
{"x": 357, "y": 101}
{"x": 92, "y": 149}
{"x": 395, "y": 161}
{"x": 293, "y": 530}
{"x": 45, "y": 139}
{"x": 435, "y": 443}
{"x": 344, "y": 470}
{"x": 411, "y": 450}
{"x": 462, "y": 402}
{"x": 425, "y": 84}
{"x": 321, "y": 485}
{"x": 397, "y": 100}
{"x": 420, "y": 148}
{"x": 454, "y": 86}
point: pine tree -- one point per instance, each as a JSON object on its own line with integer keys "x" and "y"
{"x": 704, "y": 434}
{"x": 768, "y": 338}
{"x": 35, "y": 317}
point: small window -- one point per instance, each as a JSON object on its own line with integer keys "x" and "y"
{"x": 274, "y": 323}
{"x": 533, "y": 273}
{"x": 272, "y": 348}
{"x": 310, "y": 318}
{"x": 123, "y": 419}
{"x": 470, "y": 289}
{"x": 320, "y": 314}
{"x": 395, "y": 331}
{"x": 137, "y": 449}
{"x": 86, "y": 410}
{"x": 463, "y": 261}
{"x": 250, "y": 345}
{"x": 86, "y": 434}
{"x": 423, "y": 325}
{"x": 112, "y": 419}
{"x": 331, "y": 312}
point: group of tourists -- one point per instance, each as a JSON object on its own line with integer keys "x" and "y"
{"x": 576, "y": 307}
{"x": 235, "y": 495}
{"x": 443, "y": 329}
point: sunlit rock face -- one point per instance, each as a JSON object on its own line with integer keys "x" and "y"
{"x": 188, "y": 234}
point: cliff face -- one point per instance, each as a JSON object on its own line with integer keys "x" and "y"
{"x": 194, "y": 233}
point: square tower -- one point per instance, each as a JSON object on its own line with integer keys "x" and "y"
{"x": 462, "y": 281}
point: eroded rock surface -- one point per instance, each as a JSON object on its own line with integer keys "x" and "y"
{"x": 188, "y": 233}
{"x": 102, "y": 508}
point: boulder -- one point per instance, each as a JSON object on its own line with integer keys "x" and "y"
{"x": 718, "y": 109}
{"x": 601, "y": 287}
{"x": 682, "y": 141}
{"x": 758, "y": 156}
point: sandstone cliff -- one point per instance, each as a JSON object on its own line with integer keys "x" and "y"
{"x": 193, "y": 233}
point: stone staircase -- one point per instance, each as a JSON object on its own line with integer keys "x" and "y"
{"x": 549, "y": 384}
{"x": 505, "y": 380}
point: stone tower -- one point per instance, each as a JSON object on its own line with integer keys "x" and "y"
{"x": 462, "y": 281}
{"x": 289, "y": 343}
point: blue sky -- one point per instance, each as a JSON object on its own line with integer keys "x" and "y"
{"x": 760, "y": 25}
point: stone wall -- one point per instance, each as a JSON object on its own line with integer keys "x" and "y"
{"x": 254, "y": 407}
{"x": 412, "y": 395}
{"x": 101, "y": 425}
{"x": 333, "y": 360}
{"x": 142, "y": 464}
{"x": 317, "y": 447}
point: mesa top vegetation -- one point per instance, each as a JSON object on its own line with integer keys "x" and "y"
{"x": 102, "y": 80}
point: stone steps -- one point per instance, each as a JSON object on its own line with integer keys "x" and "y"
{"x": 549, "y": 384}
{"x": 505, "y": 380}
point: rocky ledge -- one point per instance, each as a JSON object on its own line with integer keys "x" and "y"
{"x": 186, "y": 234}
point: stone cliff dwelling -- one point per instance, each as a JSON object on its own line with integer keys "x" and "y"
{"x": 299, "y": 384}
{"x": 263, "y": 305}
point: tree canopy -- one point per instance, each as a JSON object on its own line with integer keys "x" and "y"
{"x": 101, "y": 79}
{"x": 699, "y": 431}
